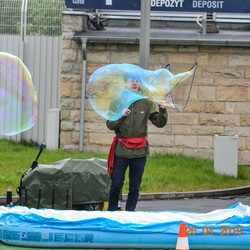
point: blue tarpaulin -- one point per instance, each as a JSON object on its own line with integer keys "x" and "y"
{"x": 224, "y": 228}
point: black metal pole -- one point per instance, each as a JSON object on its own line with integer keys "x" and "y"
{"x": 145, "y": 34}
{"x": 9, "y": 197}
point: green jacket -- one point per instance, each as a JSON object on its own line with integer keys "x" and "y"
{"x": 136, "y": 125}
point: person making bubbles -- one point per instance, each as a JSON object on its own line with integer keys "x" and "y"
{"x": 130, "y": 146}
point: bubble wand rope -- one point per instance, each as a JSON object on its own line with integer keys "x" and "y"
{"x": 175, "y": 105}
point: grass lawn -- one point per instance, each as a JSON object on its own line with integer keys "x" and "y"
{"x": 163, "y": 172}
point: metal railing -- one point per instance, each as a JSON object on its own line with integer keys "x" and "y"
{"x": 31, "y": 17}
{"x": 173, "y": 16}
{"x": 44, "y": 17}
{"x": 165, "y": 16}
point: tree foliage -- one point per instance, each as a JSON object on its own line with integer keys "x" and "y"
{"x": 10, "y": 16}
{"x": 44, "y": 17}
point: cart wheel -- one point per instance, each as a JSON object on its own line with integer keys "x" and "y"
{"x": 89, "y": 206}
{"x": 94, "y": 206}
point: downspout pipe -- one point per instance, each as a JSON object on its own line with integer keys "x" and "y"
{"x": 23, "y": 17}
{"x": 84, "y": 63}
{"x": 145, "y": 34}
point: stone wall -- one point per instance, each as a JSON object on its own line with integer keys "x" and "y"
{"x": 219, "y": 102}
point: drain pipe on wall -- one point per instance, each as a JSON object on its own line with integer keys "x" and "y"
{"x": 84, "y": 62}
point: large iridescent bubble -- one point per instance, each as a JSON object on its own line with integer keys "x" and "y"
{"x": 109, "y": 94}
{"x": 18, "y": 99}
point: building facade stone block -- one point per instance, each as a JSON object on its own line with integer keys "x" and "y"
{"x": 247, "y": 72}
{"x": 159, "y": 58}
{"x": 181, "y": 129}
{"x": 195, "y": 107}
{"x": 67, "y": 67}
{"x": 234, "y": 82}
{"x": 242, "y": 143}
{"x": 229, "y": 107}
{"x": 244, "y": 157}
{"x": 65, "y": 138}
{"x": 77, "y": 90}
{"x": 66, "y": 89}
{"x": 245, "y": 120}
{"x": 69, "y": 55}
{"x": 68, "y": 35}
{"x": 152, "y": 129}
{"x": 157, "y": 140}
{"x": 193, "y": 96}
{"x": 100, "y": 57}
{"x": 203, "y": 81}
{"x": 188, "y": 48}
{"x": 75, "y": 20}
{"x": 100, "y": 139}
{"x": 231, "y": 94}
{"x": 66, "y": 44}
{"x": 248, "y": 142}
{"x": 234, "y": 50}
{"x": 209, "y": 48}
{"x": 182, "y": 58}
{"x": 67, "y": 125}
{"x": 65, "y": 115}
{"x": 239, "y": 60}
{"x": 242, "y": 107}
{"x": 205, "y": 141}
{"x": 163, "y": 48}
{"x": 75, "y": 115}
{"x": 184, "y": 118}
{"x": 207, "y": 130}
{"x": 188, "y": 141}
{"x": 75, "y": 137}
{"x": 95, "y": 127}
{"x": 199, "y": 153}
{"x": 220, "y": 119}
{"x": 71, "y": 78}
{"x": 207, "y": 93}
{"x": 240, "y": 131}
{"x": 67, "y": 103}
{"x": 220, "y": 71}
{"x": 218, "y": 59}
{"x": 215, "y": 107}
{"x": 92, "y": 116}
{"x": 124, "y": 57}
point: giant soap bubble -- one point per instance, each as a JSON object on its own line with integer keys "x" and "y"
{"x": 18, "y": 99}
{"x": 109, "y": 94}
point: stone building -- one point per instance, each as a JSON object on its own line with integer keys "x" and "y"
{"x": 220, "y": 98}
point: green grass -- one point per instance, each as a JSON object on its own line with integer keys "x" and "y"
{"x": 163, "y": 172}
{"x": 177, "y": 173}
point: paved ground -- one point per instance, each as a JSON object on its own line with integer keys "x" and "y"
{"x": 191, "y": 205}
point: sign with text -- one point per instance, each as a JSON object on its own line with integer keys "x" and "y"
{"x": 226, "y": 6}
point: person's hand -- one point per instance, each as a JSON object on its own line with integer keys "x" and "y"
{"x": 162, "y": 105}
{"x": 126, "y": 112}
